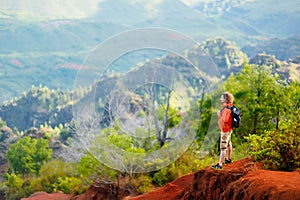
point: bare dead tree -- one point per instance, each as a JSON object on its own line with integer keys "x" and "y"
{"x": 201, "y": 103}
{"x": 152, "y": 94}
{"x": 85, "y": 130}
{"x": 132, "y": 113}
{"x": 164, "y": 135}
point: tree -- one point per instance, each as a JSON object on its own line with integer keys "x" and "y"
{"x": 144, "y": 105}
{"x": 263, "y": 98}
{"x": 27, "y": 155}
{"x": 150, "y": 108}
{"x": 260, "y": 96}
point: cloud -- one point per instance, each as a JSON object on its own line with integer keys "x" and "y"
{"x": 192, "y": 3}
{"x": 51, "y": 9}
{"x": 149, "y": 6}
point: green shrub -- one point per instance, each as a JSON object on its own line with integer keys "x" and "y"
{"x": 143, "y": 183}
{"x": 14, "y": 184}
{"x": 69, "y": 185}
{"x": 278, "y": 149}
{"x": 90, "y": 168}
{"x": 51, "y": 172}
{"x": 240, "y": 151}
{"x": 165, "y": 175}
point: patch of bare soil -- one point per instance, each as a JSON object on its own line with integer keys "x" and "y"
{"x": 264, "y": 184}
{"x": 106, "y": 190}
{"x": 44, "y": 196}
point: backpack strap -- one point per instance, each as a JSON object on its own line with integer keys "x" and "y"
{"x": 229, "y": 107}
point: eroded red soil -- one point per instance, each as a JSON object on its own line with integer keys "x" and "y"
{"x": 46, "y": 196}
{"x": 243, "y": 179}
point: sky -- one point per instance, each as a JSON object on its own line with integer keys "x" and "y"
{"x": 66, "y": 8}
{"x": 77, "y": 9}
{"x": 52, "y": 8}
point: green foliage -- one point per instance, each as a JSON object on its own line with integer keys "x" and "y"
{"x": 14, "y": 187}
{"x": 205, "y": 118}
{"x": 270, "y": 114}
{"x": 188, "y": 162}
{"x": 174, "y": 118}
{"x": 123, "y": 141}
{"x": 240, "y": 148}
{"x": 43, "y": 102}
{"x": 165, "y": 175}
{"x": 69, "y": 185}
{"x": 55, "y": 175}
{"x": 265, "y": 102}
{"x": 143, "y": 183}
{"x": 87, "y": 165}
{"x": 278, "y": 149}
{"x": 90, "y": 168}
{"x": 27, "y": 155}
{"x": 42, "y": 154}
{"x": 51, "y": 172}
{"x": 260, "y": 96}
{"x": 292, "y": 101}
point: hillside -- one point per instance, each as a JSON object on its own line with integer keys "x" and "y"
{"x": 243, "y": 179}
{"x": 47, "y": 53}
{"x": 42, "y": 105}
{"x": 284, "y": 49}
{"x": 47, "y": 44}
{"x": 39, "y": 106}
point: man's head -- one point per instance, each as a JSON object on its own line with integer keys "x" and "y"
{"x": 227, "y": 97}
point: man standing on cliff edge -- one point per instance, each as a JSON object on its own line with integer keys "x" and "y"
{"x": 225, "y": 125}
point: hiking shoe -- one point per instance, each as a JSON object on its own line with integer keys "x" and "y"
{"x": 217, "y": 166}
{"x": 228, "y": 161}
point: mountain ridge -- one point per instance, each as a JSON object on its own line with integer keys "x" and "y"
{"x": 42, "y": 104}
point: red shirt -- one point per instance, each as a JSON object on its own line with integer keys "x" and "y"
{"x": 225, "y": 119}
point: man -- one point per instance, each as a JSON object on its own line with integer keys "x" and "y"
{"x": 225, "y": 125}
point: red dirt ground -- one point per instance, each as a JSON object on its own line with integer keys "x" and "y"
{"x": 46, "y": 196}
{"x": 178, "y": 188}
{"x": 243, "y": 179}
